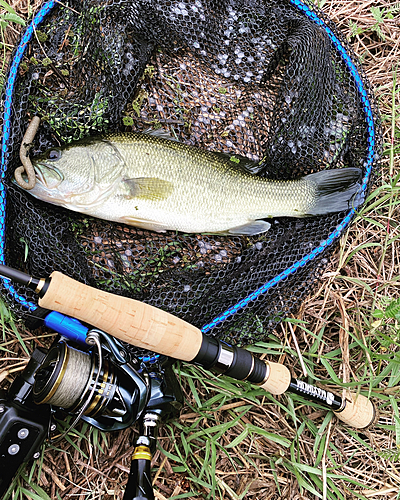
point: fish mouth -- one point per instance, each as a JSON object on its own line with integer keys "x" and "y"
{"x": 48, "y": 175}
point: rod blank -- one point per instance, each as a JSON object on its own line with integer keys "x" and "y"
{"x": 15, "y": 275}
{"x": 38, "y": 285}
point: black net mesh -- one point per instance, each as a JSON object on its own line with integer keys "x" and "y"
{"x": 257, "y": 78}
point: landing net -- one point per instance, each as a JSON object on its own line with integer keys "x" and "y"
{"x": 273, "y": 81}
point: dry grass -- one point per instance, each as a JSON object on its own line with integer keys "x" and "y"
{"x": 220, "y": 448}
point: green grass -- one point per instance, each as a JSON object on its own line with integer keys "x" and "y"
{"x": 380, "y": 15}
{"x": 8, "y": 16}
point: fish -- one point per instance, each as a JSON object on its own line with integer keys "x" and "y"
{"x": 150, "y": 181}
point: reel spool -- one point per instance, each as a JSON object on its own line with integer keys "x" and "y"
{"x": 67, "y": 377}
{"x": 101, "y": 391}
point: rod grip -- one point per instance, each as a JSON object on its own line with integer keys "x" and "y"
{"x": 278, "y": 378}
{"x": 359, "y": 413}
{"x": 129, "y": 320}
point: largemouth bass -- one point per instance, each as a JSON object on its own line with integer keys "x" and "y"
{"x": 156, "y": 183}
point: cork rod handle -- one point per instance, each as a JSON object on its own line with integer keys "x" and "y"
{"x": 129, "y": 320}
{"x": 358, "y": 413}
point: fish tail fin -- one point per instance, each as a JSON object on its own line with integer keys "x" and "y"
{"x": 336, "y": 190}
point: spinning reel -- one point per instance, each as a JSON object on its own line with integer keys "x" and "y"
{"x": 108, "y": 389}
{"x": 99, "y": 382}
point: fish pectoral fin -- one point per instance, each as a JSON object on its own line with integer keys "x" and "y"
{"x": 250, "y": 228}
{"x": 148, "y": 188}
{"x": 151, "y": 225}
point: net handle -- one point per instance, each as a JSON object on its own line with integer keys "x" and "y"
{"x": 148, "y": 327}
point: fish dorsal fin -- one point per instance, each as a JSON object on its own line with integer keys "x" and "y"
{"x": 161, "y": 133}
{"x": 148, "y": 188}
{"x": 240, "y": 162}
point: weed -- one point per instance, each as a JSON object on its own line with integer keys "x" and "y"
{"x": 7, "y": 17}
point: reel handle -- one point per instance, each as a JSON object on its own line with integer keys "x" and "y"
{"x": 139, "y": 485}
{"x": 151, "y": 328}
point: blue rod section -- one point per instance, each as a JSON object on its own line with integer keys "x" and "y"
{"x": 6, "y": 136}
{"x": 71, "y": 328}
{"x": 346, "y": 221}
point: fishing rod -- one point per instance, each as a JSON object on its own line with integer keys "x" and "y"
{"x": 148, "y": 327}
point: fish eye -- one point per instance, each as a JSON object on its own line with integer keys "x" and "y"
{"x": 53, "y": 154}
